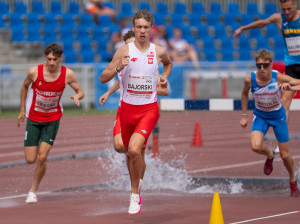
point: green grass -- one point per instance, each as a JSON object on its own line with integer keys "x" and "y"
{"x": 67, "y": 112}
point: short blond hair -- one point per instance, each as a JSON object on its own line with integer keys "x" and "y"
{"x": 264, "y": 54}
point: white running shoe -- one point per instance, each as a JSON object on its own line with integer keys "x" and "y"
{"x": 134, "y": 207}
{"x": 277, "y": 149}
{"x": 124, "y": 166}
{"x": 140, "y": 188}
{"x": 31, "y": 198}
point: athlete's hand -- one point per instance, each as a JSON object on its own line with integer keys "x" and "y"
{"x": 163, "y": 82}
{"x": 285, "y": 87}
{"x": 124, "y": 62}
{"x": 103, "y": 98}
{"x": 237, "y": 33}
{"x": 21, "y": 118}
{"x": 244, "y": 121}
{"x": 75, "y": 97}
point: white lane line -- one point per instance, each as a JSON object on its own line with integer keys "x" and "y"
{"x": 23, "y": 195}
{"x": 266, "y": 217}
{"x": 234, "y": 165}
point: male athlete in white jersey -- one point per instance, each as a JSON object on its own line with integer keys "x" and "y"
{"x": 269, "y": 112}
{"x": 138, "y": 62}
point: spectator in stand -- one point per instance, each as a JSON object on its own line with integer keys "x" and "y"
{"x": 160, "y": 37}
{"x": 181, "y": 50}
{"x": 97, "y": 8}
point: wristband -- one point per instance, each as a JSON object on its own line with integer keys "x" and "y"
{"x": 116, "y": 69}
{"x": 244, "y": 115}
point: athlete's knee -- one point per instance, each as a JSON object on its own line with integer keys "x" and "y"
{"x": 256, "y": 147}
{"x": 284, "y": 155}
{"x": 42, "y": 158}
{"x": 30, "y": 160}
{"x": 119, "y": 147}
{"x": 133, "y": 152}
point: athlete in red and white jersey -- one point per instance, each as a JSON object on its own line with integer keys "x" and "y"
{"x": 139, "y": 109}
{"x": 44, "y": 109}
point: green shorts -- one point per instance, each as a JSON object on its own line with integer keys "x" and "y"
{"x": 37, "y": 132}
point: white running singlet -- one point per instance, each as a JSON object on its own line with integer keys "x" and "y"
{"x": 139, "y": 77}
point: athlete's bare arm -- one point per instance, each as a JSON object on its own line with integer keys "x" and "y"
{"x": 274, "y": 18}
{"x": 287, "y": 83}
{"x": 71, "y": 79}
{"x": 120, "y": 59}
{"x": 30, "y": 77}
{"x": 163, "y": 57}
{"x": 113, "y": 89}
{"x": 245, "y": 99}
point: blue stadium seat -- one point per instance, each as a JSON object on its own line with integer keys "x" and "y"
{"x": 50, "y": 21}
{"x": 82, "y": 33}
{"x": 55, "y": 7}
{"x": 177, "y": 21}
{"x": 85, "y": 44}
{"x": 4, "y": 8}
{"x": 125, "y": 10}
{"x": 2, "y": 23}
{"x": 210, "y": 54}
{"x": 278, "y": 54}
{"x": 87, "y": 56}
{"x": 145, "y": 5}
{"x": 202, "y": 31}
{"x": 212, "y": 19}
{"x": 227, "y": 54}
{"x": 215, "y": 8}
{"x": 67, "y": 19}
{"x": 198, "y": 8}
{"x": 49, "y": 35}
{"x": 162, "y": 8}
{"x": 20, "y": 7}
{"x": 262, "y": 42}
{"x": 105, "y": 22}
{"x": 230, "y": 19}
{"x": 37, "y": 7}
{"x": 186, "y": 33}
{"x": 270, "y": 8}
{"x": 194, "y": 19}
{"x": 66, "y": 33}
{"x": 33, "y": 35}
{"x": 73, "y": 8}
{"x": 15, "y": 20}
{"x": 33, "y": 21}
{"x": 86, "y": 20}
{"x": 246, "y": 19}
{"x": 109, "y": 4}
{"x": 70, "y": 57}
{"x": 233, "y": 8}
{"x": 180, "y": 8}
{"x": 159, "y": 19}
{"x": 67, "y": 46}
{"x": 252, "y": 9}
{"x": 17, "y": 35}
{"x": 105, "y": 56}
{"x": 208, "y": 43}
{"x": 255, "y": 33}
{"x": 226, "y": 43}
{"x": 272, "y": 30}
{"x": 99, "y": 34}
{"x": 245, "y": 55}
{"x": 220, "y": 31}
{"x": 244, "y": 43}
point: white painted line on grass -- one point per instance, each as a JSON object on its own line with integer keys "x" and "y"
{"x": 266, "y": 217}
{"x": 23, "y": 195}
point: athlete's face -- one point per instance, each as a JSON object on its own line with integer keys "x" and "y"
{"x": 52, "y": 61}
{"x": 264, "y": 67}
{"x": 289, "y": 9}
{"x": 142, "y": 29}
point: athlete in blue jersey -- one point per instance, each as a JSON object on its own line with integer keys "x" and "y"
{"x": 289, "y": 23}
{"x": 265, "y": 86}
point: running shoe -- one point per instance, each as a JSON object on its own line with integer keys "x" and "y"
{"x": 124, "y": 166}
{"x": 269, "y": 165}
{"x": 134, "y": 207}
{"x": 294, "y": 189}
{"x": 31, "y": 198}
{"x": 140, "y": 188}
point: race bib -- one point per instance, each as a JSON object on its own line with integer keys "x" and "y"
{"x": 46, "y": 104}
{"x": 293, "y": 45}
{"x": 267, "y": 103}
{"x": 140, "y": 85}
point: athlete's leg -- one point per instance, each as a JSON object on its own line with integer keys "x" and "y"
{"x": 287, "y": 160}
{"x": 143, "y": 165}
{"x": 118, "y": 144}
{"x": 41, "y": 166}
{"x": 135, "y": 160}
{"x": 258, "y": 146}
{"x": 287, "y": 97}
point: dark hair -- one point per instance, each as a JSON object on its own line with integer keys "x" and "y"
{"x": 128, "y": 35}
{"x": 55, "y": 49}
{"x": 143, "y": 14}
{"x": 284, "y": 1}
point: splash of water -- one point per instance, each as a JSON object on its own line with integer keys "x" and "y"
{"x": 163, "y": 176}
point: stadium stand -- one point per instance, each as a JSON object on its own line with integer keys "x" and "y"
{"x": 210, "y": 31}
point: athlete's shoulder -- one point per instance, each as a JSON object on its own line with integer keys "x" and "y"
{"x": 32, "y": 72}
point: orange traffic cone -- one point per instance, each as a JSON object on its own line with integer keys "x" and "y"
{"x": 197, "y": 139}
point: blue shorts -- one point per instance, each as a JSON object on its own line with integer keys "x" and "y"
{"x": 279, "y": 126}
